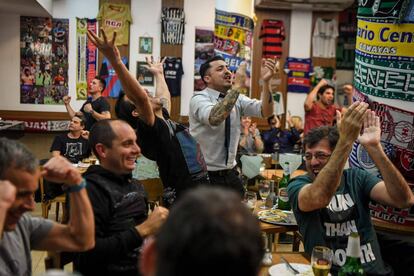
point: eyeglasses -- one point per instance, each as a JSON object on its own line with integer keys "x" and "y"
{"x": 318, "y": 156}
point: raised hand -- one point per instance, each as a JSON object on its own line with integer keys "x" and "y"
{"x": 85, "y": 134}
{"x": 66, "y": 100}
{"x": 350, "y": 123}
{"x": 58, "y": 169}
{"x": 153, "y": 223}
{"x": 107, "y": 47}
{"x": 371, "y": 135}
{"x": 268, "y": 68}
{"x": 155, "y": 66}
{"x": 7, "y": 194}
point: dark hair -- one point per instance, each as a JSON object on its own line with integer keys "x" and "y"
{"x": 102, "y": 82}
{"x": 269, "y": 119}
{"x": 206, "y": 65}
{"x": 124, "y": 109}
{"x": 324, "y": 132}
{"x": 15, "y": 155}
{"x": 81, "y": 117}
{"x": 323, "y": 89}
{"x": 101, "y": 132}
{"x": 209, "y": 232}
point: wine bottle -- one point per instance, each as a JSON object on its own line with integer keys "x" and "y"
{"x": 352, "y": 266}
{"x": 271, "y": 198}
{"x": 283, "y": 199}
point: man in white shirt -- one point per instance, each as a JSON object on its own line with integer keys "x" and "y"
{"x": 217, "y": 106}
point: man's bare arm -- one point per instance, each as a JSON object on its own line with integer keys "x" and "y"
{"x": 318, "y": 194}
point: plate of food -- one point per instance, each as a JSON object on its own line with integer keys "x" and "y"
{"x": 278, "y": 217}
{"x": 281, "y": 270}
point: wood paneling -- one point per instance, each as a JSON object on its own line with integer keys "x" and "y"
{"x": 257, "y": 56}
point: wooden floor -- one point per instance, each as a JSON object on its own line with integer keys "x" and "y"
{"x": 38, "y": 257}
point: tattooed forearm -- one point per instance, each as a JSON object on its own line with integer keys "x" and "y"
{"x": 222, "y": 109}
{"x": 270, "y": 98}
{"x": 267, "y": 101}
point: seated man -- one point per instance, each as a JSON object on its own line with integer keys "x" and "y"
{"x": 74, "y": 144}
{"x": 118, "y": 202}
{"x": 278, "y": 140}
{"x": 201, "y": 238}
{"x": 19, "y": 167}
{"x": 329, "y": 202}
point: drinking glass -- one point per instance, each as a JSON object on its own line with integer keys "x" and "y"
{"x": 321, "y": 260}
{"x": 250, "y": 200}
{"x": 264, "y": 190}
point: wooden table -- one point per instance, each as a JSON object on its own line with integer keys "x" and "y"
{"x": 391, "y": 227}
{"x": 279, "y": 173}
{"x": 291, "y": 257}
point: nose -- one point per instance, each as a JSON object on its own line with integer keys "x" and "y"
{"x": 137, "y": 149}
{"x": 29, "y": 203}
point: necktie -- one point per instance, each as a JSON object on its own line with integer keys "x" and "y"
{"x": 226, "y": 134}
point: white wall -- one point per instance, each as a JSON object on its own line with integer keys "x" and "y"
{"x": 299, "y": 47}
{"x": 198, "y": 13}
{"x": 47, "y": 5}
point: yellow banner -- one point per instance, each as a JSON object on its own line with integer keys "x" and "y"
{"x": 231, "y": 33}
{"x": 385, "y": 39}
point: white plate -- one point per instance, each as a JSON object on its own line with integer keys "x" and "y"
{"x": 281, "y": 270}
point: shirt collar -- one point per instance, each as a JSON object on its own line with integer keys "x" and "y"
{"x": 214, "y": 93}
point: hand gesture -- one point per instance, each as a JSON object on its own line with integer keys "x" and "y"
{"x": 88, "y": 108}
{"x": 66, "y": 100}
{"x": 289, "y": 119}
{"x": 322, "y": 82}
{"x": 85, "y": 134}
{"x": 371, "y": 135}
{"x": 156, "y": 67}
{"x": 268, "y": 68}
{"x": 58, "y": 169}
{"x": 7, "y": 194}
{"x": 252, "y": 129}
{"x": 153, "y": 222}
{"x": 350, "y": 124}
{"x": 107, "y": 47}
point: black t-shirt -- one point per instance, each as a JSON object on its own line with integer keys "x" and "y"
{"x": 160, "y": 144}
{"x": 73, "y": 149}
{"x": 99, "y": 105}
{"x": 173, "y": 72}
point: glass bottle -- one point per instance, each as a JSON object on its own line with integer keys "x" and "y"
{"x": 352, "y": 266}
{"x": 283, "y": 199}
{"x": 271, "y": 198}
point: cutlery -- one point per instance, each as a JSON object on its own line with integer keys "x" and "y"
{"x": 289, "y": 266}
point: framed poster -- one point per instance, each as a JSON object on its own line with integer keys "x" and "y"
{"x": 144, "y": 76}
{"x": 145, "y": 45}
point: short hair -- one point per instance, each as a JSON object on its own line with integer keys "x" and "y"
{"x": 102, "y": 82}
{"x": 102, "y": 132}
{"x": 124, "y": 109}
{"x": 324, "y": 132}
{"x": 323, "y": 89}
{"x": 81, "y": 117}
{"x": 269, "y": 119}
{"x": 206, "y": 65}
{"x": 209, "y": 232}
{"x": 15, "y": 155}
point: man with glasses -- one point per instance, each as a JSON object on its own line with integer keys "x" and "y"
{"x": 329, "y": 202}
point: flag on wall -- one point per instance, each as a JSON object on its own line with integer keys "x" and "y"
{"x": 86, "y": 56}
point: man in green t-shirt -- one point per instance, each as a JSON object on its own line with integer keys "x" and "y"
{"x": 329, "y": 202}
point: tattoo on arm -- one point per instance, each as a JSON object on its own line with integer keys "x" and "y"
{"x": 222, "y": 109}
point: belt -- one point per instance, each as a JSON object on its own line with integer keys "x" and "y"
{"x": 221, "y": 172}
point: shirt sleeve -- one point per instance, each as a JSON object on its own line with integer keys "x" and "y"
{"x": 38, "y": 229}
{"x": 250, "y": 107}
{"x": 200, "y": 106}
{"x": 57, "y": 144}
{"x": 148, "y": 138}
{"x": 294, "y": 188}
{"x": 105, "y": 106}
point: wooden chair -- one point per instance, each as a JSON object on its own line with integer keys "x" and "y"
{"x": 154, "y": 189}
{"x": 47, "y": 203}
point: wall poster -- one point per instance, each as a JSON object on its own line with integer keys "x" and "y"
{"x": 43, "y": 60}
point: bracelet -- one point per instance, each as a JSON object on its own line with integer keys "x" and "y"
{"x": 76, "y": 188}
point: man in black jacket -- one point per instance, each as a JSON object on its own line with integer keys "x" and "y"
{"x": 118, "y": 202}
